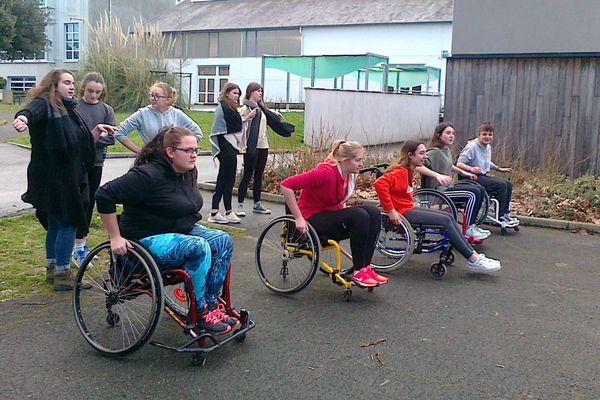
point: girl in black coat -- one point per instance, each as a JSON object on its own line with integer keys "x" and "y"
{"x": 62, "y": 150}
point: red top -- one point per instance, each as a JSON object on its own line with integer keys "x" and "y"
{"x": 395, "y": 190}
{"x": 323, "y": 188}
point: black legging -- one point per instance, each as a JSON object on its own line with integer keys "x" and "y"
{"x": 225, "y": 180}
{"x": 254, "y": 164}
{"x": 426, "y": 216}
{"x": 361, "y": 224}
{"x": 94, "y": 178}
{"x": 500, "y": 188}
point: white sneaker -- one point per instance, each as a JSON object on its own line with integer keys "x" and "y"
{"x": 482, "y": 231}
{"x": 232, "y": 218}
{"x": 475, "y": 234}
{"x": 218, "y": 219}
{"x": 484, "y": 265}
{"x": 507, "y": 222}
{"x": 240, "y": 210}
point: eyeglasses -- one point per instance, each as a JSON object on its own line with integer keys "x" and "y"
{"x": 156, "y": 96}
{"x": 189, "y": 151}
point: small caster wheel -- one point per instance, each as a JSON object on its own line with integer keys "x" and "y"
{"x": 241, "y": 338}
{"x": 347, "y": 294}
{"x": 502, "y": 231}
{"x": 437, "y": 270}
{"x": 448, "y": 258}
{"x": 517, "y": 228}
{"x": 370, "y": 289}
{"x": 198, "y": 360}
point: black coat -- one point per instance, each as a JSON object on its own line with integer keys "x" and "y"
{"x": 57, "y": 180}
{"x": 155, "y": 199}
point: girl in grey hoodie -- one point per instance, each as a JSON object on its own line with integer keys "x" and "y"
{"x": 160, "y": 112}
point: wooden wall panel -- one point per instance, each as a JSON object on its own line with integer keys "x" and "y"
{"x": 546, "y": 110}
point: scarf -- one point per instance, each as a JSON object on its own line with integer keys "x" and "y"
{"x": 233, "y": 121}
{"x": 253, "y": 129}
{"x": 62, "y": 133}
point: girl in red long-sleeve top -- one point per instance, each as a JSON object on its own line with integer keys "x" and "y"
{"x": 395, "y": 193}
{"x": 322, "y": 202}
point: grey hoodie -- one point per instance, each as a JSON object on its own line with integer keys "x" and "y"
{"x": 477, "y": 155}
{"x": 148, "y": 121}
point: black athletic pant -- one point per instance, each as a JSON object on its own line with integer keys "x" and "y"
{"x": 470, "y": 196}
{"x": 499, "y": 188}
{"x": 225, "y": 180}
{"x": 361, "y": 224}
{"x": 426, "y": 216}
{"x": 94, "y": 178}
{"x": 254, "y": 164}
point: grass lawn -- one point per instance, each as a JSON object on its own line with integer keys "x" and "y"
{"x": 23, "y": 257}
{"x": 204, "y": 119}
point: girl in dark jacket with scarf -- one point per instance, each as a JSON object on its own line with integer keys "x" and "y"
{"x": 225, "y": 145}
{"x": 62, "y": 151}
{"x": 161, "y": 208}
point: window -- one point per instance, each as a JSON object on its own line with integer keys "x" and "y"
{"x": 72, "y": 41}
{"x": 211, "y": 79}
{"x": 21, "y": 83}
{"x": 280, "y": 42}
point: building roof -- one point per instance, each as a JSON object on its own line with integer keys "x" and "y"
{"x": 276, "y": 14}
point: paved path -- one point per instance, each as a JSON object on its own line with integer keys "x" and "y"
{"x": 529, "y": 332}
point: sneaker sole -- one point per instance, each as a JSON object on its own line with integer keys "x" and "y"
{"x": 217, "y": 222}
{"x": 261, "y": 212}
{"x": 482, "y": 270}
{"x": 243, "y": 214}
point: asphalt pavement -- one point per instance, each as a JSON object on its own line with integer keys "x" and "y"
{"x": 530, "y": 331}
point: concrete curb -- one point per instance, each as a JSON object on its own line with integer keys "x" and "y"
{"x": 525, "y": 221}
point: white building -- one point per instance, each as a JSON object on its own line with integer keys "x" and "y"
{"x": 224, "y": 40}
{"x": 66, "y": 32}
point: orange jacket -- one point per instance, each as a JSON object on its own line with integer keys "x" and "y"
{"x": 395, "y": 190}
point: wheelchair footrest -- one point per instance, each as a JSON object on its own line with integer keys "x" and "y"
{"x": 239, "y": 334}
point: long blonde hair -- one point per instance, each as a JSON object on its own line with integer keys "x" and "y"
{"x": 344, "y": 149}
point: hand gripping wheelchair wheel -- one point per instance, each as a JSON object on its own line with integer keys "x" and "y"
{"x": 395, "y": 244}
{"x": 286, "y": 260}
{"x": 120, "y": 312}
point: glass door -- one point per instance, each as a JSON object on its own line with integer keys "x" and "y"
{"x": 211, "y": 78}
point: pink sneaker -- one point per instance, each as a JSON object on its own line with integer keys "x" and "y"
{"x": 209, "y": 321}
{"x": 362, "y": 278}
{"x": 218, "y": 311}
{"x": 375, "y": 276}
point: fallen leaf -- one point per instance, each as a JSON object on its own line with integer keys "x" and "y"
{"x": 384, "y": 382}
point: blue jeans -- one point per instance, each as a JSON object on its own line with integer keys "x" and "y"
{"x": 203, "y": 253}
{"x": 59, "y": 242}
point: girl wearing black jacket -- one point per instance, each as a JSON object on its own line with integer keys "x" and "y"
{"x": 161, "y": 208}
{"x": 62, "y": 151}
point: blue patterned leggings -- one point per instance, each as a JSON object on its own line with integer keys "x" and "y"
{"x": 203, "y": 253}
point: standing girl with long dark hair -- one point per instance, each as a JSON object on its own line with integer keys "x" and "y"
{"x": 62, "y": 151}
{"x": 225, "y": 139}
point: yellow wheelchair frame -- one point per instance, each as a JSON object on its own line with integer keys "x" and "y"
{"x": 287, "y": 261}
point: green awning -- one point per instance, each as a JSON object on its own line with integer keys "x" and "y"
{"x": 325, "y": 67}
{"x": 400, "y": 76}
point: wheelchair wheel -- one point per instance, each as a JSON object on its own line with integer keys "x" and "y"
{"x": 286, "y": 261}
{"x": 437, "y": 270}
{"x": 119, "y": 314}
{"x": 435, "y": 200}
{"x": 394, "y": 245}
